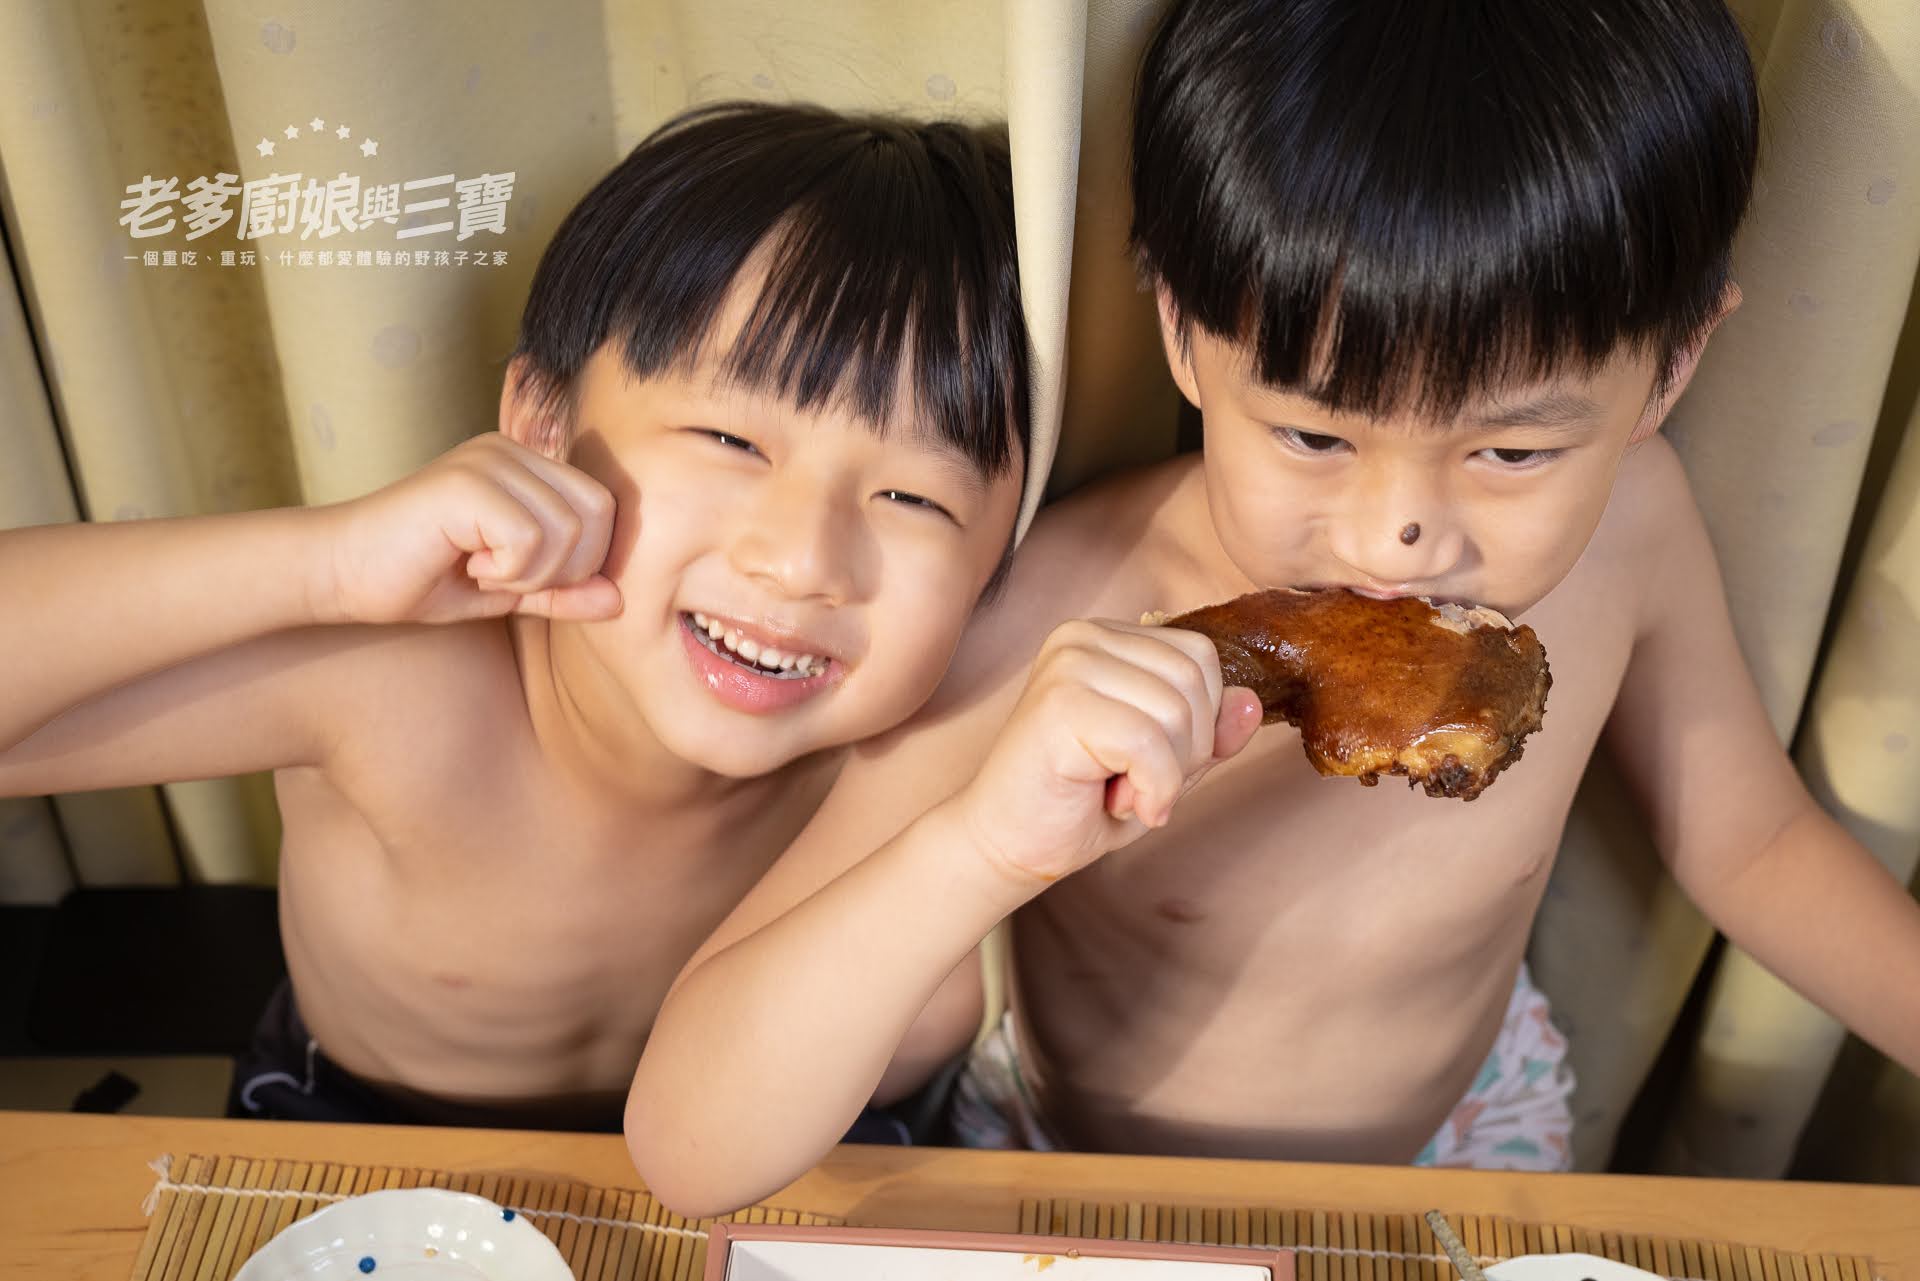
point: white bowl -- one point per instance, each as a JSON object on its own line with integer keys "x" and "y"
{"x": 409, "y": 1232}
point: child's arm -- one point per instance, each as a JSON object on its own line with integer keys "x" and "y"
{"x": 158, "y": 650}
{"x": 835, "y": 967}
{"x": 1730, "y": 815}
{"x": 93, "y": 606}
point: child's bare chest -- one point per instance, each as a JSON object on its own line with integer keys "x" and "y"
{"x": 478, "y": 931}
{"x": 1281, "y": 910}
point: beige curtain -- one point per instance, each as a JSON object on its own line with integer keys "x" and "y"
{"x": 130, "y": 390}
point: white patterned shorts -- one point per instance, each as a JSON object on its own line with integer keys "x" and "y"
{"x": 1515, "y": 1116}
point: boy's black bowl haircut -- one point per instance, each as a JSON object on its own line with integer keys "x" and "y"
{"x": 892, "y": 247}
{"x": 1404, "y": 204}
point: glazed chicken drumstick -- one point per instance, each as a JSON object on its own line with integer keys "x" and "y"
{"x": 1444, "y": 694}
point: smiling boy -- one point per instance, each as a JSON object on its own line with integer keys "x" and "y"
{"x": 1433, "y": 275}
{"x": 541, "y": 712}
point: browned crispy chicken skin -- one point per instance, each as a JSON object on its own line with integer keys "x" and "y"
{"x": 1444, "y": 694}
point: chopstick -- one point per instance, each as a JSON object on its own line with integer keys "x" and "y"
{"x": 1444, "y": 1234}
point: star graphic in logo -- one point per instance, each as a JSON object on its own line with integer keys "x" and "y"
{"x": 369, "y": 148}
{"x": 316, "y": 124}
{"x": 343, "y": 132}
{"x": 293, "y": 131}
{"x": 265, "y": 147}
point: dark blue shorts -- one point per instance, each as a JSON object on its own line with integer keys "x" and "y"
{"x": 285, "y": 1076}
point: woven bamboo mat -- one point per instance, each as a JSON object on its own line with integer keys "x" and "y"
{"x": 210, "y": 1213}
{"x": 1348, "y": 1246}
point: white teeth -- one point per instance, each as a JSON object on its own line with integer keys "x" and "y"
{"x": 765, "y": 657}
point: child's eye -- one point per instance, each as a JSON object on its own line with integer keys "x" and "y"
{"x": 907, "y": 499}
{"x": 1521, "y": 459}
{"x": 1309, "y": 442}
{"x": 730, "y": 440}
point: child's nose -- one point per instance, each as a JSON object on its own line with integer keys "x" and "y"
{"x": 800, "y": 541}
{"x": 1410, "y": 544}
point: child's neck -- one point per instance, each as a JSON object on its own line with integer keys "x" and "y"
{"x": 587, "y": 726}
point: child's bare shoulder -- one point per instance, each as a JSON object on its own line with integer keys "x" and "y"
{"x": 415, "y": 687}
{"x": 1103, "y": 544}
{"x": 1113, "y": 518}
{"x": 394, "y": 699}
{"x": 1652, "y": 493}
{"x": 1082, "y": 554}
{"x": 1652, "y": 530}
{"x": 428, "y": 737}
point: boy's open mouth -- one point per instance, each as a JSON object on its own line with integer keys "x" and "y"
{"x": 1376, "y": 593}
{"x": 742, "y": 651}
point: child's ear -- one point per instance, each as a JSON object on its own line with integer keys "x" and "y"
{"x": 1179, "y": 354}
{"x": 529, "y": 415}
{"x": 1684, "y": 365}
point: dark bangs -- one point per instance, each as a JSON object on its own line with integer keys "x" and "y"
{"x": 1402, "y": 205}
{"x": 890, "y": 263}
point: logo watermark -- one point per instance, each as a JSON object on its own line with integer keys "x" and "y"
{"x": 318, "y": 210}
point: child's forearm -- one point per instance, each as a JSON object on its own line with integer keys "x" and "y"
{"x": 89, "y": 607}
{"x": 764, "y": 1053}
{"x": 1859, "y": 959}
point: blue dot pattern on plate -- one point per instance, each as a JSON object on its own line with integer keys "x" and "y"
{"x": 366, "y": 1263}
{"x": 507, "y": 1215}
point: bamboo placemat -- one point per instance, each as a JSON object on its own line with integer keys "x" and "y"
{"x": 1351, "y": 1246}
{"x": 210, "y": 1213}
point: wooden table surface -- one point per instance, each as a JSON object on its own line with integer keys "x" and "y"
{"x": 71, "y": 1187}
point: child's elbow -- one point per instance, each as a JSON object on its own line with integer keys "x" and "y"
{"x": 669, "y": 1163}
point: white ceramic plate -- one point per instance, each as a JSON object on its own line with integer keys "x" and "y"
{"x": 1566, "y": 1267}
{"x": 409, "y": 1232}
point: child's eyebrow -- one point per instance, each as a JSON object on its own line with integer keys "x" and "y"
{"x": 963, "y": 471}
{"x": 1555, "y": 410}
